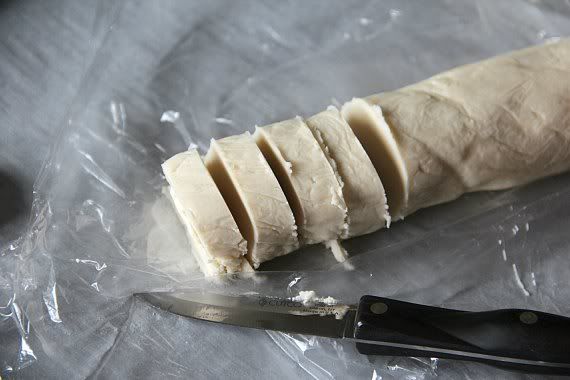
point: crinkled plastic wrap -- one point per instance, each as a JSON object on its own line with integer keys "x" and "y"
{"x": 167, "y": 76}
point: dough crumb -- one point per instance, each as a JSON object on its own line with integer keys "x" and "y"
{"x": 306, "y": 297}
{"x": 309, "y": 297}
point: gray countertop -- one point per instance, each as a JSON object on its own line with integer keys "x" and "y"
{"x": 51, "y": 54}
{"x": 45, "y": 49}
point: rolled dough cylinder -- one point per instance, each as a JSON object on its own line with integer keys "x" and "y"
{"x": 491, "y": 125}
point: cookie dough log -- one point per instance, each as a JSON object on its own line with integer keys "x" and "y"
{"x": 217, "y": 243}
{"x": 361, "y": 186}
{"x": 491, "y": 125}
{"x": 306, "y": 177}
{"x": 254, "y": 197}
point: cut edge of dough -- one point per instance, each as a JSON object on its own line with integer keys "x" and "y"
{"x": 362, "y": 194}
{"x": 374, "y": 133}
{"x": 317, "y": 134}
{"x": 282, "y": 170}
{"x": 170, "y": 168}
{"x": 225, "y": 182}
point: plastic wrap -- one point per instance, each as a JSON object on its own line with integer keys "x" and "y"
{"x": 167, "y": 76}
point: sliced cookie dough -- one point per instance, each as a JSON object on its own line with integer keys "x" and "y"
{"x": 362, "y": 189}
{"x": 216, "y": 241}
{"x": 369, "y": 126}
{"x": 306, "y": 177}
{"x": 254, "y": 197}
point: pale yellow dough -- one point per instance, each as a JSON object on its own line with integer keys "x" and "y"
{"x": 254, "y": 197}
{"x": 306, "y": 177}
{"x": 362, "y": 190}
{"x": 216, "y": 240}
{"x": 490, "y": 125}
{"x": 369, "y": 126}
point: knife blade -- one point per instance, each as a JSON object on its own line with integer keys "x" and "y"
{"x": 262, "y": 312}
{"x": 519, "y": 339}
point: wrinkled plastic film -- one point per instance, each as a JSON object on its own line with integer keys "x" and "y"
{"x": 102, "y": 228}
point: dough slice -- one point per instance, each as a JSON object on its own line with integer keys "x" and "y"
{"x": 254, "y": 197}
{"x": 307, "y": 178}
{"x": 369, "y": 126}
{"x": 362, "y": 189}
{"x": 216, "y": 240}
{"x": 490, "y": 125}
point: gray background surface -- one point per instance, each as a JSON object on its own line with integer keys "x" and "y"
{"x": 45, "y": 49}
{"x": 46, "y": 52}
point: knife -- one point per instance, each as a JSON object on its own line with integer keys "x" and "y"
{"x": 517, "y": 339}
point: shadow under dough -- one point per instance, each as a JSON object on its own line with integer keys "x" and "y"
{"x": 15, "y": 206}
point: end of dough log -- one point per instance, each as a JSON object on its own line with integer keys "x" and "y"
{"x": 216, "y": 241}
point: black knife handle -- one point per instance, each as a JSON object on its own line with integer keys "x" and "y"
{"x": 515, "y": 338}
